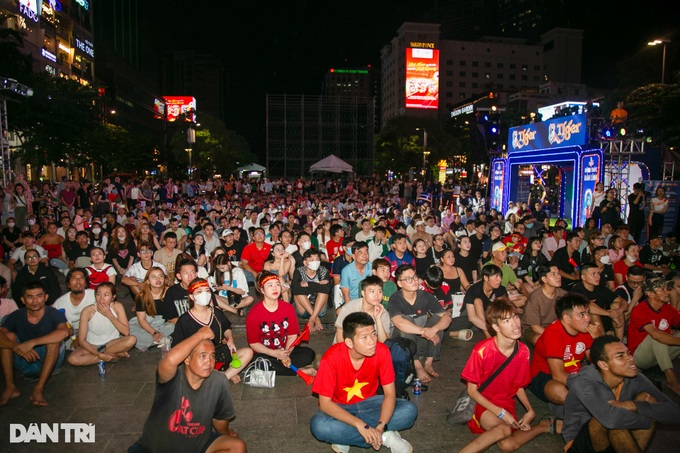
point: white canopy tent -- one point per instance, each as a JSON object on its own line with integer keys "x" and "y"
{"x": 249, "y": 169}
{"x": 332, "y": 164}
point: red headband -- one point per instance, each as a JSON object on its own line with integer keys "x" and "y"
{"x": 202, "y": 283}
{"x": 268, "y": 278}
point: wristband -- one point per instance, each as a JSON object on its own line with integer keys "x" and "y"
{"x": 502, "y": 414}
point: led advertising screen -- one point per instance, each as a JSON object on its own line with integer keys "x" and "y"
{"x": 422, "y": 78}
{"x": 176, "y": 105}
{"x": 497, "y": 184}
{"x": 555, "y": 133}
{"x": 591, "y": 174}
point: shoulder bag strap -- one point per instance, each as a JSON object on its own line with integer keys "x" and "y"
{"x": 486, "y": 383}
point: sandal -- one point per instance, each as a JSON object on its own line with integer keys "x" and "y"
{"x": 463, "y": 335}
{"x": 552, "y": 424}
{"x": 241, "y": 312}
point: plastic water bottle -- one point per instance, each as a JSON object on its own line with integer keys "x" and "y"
{"x": 101, "y": 368}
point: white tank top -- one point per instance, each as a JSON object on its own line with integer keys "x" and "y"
{"x": 100, "y": 330}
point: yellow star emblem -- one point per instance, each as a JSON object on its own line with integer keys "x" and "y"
{"x": 572, "y": 362}
{"x": 355, "y": 390}
{"x": 481, "y": 352}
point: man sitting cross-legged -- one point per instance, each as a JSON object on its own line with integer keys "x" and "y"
{"x": 350, "y": 410}
{"x": 612, "y": 407}
{"x": 371, "y": 303}
{"x": 32, "y": 342}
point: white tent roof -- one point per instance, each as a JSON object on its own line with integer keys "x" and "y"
{"x": 332, "y": 164}
{"x": 251, "y": 167}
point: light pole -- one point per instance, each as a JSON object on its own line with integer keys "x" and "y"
{"x": 663, "y": 61}
{"x": 191, "y": 139}
{"x": 425, "y": 151}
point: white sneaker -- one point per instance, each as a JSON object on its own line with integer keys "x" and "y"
{"x": 393, "y": 441}
{"x": 337, "y": 448}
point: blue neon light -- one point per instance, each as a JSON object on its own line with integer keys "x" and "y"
{"x": 554, "y": 133}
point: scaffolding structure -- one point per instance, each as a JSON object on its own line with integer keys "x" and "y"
{"x": 303, "y": 129}
{"x": 618, "y": 155}
{"x": 5, "y": 153}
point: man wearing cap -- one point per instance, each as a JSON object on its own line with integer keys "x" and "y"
{"x": 421, "y": 234}
{"x": 652, "y": 257}
{"x": 229, "y": 244}
{"x": 649, "y": 331}
{"x": 499, "y": 253}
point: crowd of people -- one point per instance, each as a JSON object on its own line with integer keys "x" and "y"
{"x": 556, "y": 305}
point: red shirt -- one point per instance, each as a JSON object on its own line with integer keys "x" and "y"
{"x": 271, "y": 328}
{"x": 337, "y": 379}
{"x": 256, "y": 257}
{"x": 334, "y": 249}
{"x": 643, "y": 314}
{"x": 620, "y": 267}
{"x": 483, "y": 362}
{"x": 557, "y": 343}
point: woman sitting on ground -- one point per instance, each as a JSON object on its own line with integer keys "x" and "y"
{"x": 204, "y": 314}
{"x": 271, "y": 328}
{"x": 230, "y": 286}
{"x": 150, "y": 325}
{"x": 101, "y": 327}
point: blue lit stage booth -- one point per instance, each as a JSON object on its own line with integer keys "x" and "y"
{"x": 556, "y": 152}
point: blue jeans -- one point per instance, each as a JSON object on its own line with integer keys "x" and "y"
{"x": 327, "y": 429}
{"x": 33, "y": 369}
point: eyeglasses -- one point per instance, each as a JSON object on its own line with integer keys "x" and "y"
{"x": 599, "y": 238}
{"x": 410, "y": 279}
{"x": 31, "y": 258}
{"x": 144, "y": 252}
{"x": 634, "y": 283}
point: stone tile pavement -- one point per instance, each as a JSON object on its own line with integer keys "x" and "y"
{"x": 269, "y": 420}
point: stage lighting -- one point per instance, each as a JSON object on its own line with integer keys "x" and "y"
{"x": 622, "y": 131}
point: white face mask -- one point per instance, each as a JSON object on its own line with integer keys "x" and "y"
{"x": 630, "y": 258}
{"x": 31, "y": 221}
{"x": 605, "y": 259}
{"x": 305, "y": 245}
{"x": 10, "y": 225}
{"x": 96, "y": 230}
{"x": 203, "y": 299}
{"x": 314, "y": 265}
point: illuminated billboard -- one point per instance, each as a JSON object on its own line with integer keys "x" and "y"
{"x": 422, "y": 78}
{"x": 177, "y": 105}
{"x": 31, "y": 9}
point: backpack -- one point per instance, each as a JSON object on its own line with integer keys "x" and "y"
{"x": 402, "y": 350}
{"x": 97, "y": 277}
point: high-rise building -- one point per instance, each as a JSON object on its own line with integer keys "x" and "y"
{"x": 193, "y": 74}
{"x": 469, "y": 69}
{"x": 303, "y": 129}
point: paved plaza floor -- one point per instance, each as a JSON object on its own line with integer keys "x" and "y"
{"x": 269, "y": 420}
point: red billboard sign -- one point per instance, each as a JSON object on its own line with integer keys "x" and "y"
{"x": 176, "y": 105}
{"x": 422, "y": 78}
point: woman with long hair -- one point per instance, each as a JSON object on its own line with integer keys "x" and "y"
{"x": 454, "y": 276}
{"x": 657, "y": 209}
{"x": 122, "y": 250}
{"x": 279, "y": 264}
{"x": 98, "y": 237}
{"x": 197, "y": 250}
{"x": 615, "y": 249}
{"x": 150, "y": 325}
{"x": 423, "y": 259}
{"x": 146, "y": 233}
{"x": 526, "y": 268}
{"x": 202, "y": 313}
{"x": 230, "y": 286}
{"x": 21, "y": 206}
{"x": 272, "y": 327}
{"x": 104, "y": 332}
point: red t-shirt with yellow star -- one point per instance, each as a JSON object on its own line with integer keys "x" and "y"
{"x": 337, "y": 379}
{"x": 556, "y": 343}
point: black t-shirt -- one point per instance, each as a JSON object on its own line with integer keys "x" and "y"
{"x": 123, "y": 255}
{"x": 234, "y": 251}
{"x": 175, "y": 302}
{"x": 635, "y": 211}
{"x": 83, "y": 198}
{"x": 477, "y": 245}
{"x": 602, "y": 296}
{"x": 476, "y": 291}
{"x": 181, "y": 417}
{"x": 76, "y": 252}
{"x": 12, "y": 235}
{"x": 423, "y": 264}
{"x": 613, "y": 213}
{"x": 468, "y": 264}
{"x": 186, "y": 326}
{"x": 653, "y": 257}
{"x": 561, "y": 260}
{"x": 606, "y": 275}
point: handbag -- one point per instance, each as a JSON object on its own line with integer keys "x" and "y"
{"x": 260, "y": 374}
{"x": 465, "y": 406}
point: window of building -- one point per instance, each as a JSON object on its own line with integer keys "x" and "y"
{"x": 511, "y": 76}
{"x": 524, "y": 78}
{"x": 487, "y": 75}
{"x": 449, "y": 73}
{"x": 475, "y": 74}
{"x": 475, "y": 64}
{"x": 449, "y": 84}
{"x": 500, "y": 76}
{"x": 475, "y": 85}
{"x": 449, "y": 62}
{"x": 500, "y": 65}
{"x": 537, "y": 67}
{"x": 513, "y": 65}
{"x": 536, "y": 78}
{"x": 462, "y": 62}
{"x": 462, "y": 96}
{"x": 525, "y": 67}
{"x": 449, "y": 94}
{"x": 487, "y": 64}
{"x": 461, "y": 84}
{"x": 461, "y": 73}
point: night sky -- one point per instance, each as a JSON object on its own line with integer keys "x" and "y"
{"x": 287, "y": 47}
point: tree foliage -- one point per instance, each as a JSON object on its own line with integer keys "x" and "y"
{"x": 655, "y": 108}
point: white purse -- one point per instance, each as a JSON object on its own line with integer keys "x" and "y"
{"x": 259, "y": 374}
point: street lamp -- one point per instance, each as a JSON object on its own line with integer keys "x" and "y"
{"x": 191, "y": 139}
{"x": 663, "y": 61}
{"x": 425, "y": 151}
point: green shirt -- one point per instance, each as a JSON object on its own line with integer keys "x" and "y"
{"x": 509, "y": 276}
{"x": 389, "y": 288}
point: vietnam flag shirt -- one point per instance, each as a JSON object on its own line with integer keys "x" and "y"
{"x": 337, "y": 379}
{"x": 556, "y": 343}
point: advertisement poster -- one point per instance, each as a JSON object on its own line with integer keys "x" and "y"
{"x": 422, "y": 78}
{"x": 554, "y": 133}
{"x": 497, "y": 184}
{"x": 177, "y": 105}
{"x": 591, "y": 174}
